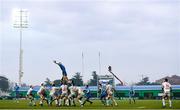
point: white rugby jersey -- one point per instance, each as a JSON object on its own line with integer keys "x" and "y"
{"x": 72, "y": 89}
{"x": 29, "y": 91}
{"x": 64, "y": 88}
{"x": 42, "y": 88}
{"x": 166, "y": 86}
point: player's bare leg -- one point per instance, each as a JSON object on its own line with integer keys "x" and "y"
{"x": 170, "y": 102}
{"x": 32, "y": 101}
{"x": 107, "y": 100}
{"x": 60, "y": 101}
{"x": 134, "y": 100}
{"x": 163, "y": 101}
{"x": 114, "y": 101}
{"x": 80, "y": 100}
{"x": 42, "y": 99}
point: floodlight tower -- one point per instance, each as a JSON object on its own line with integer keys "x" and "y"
{"x": 20, "y": 21}
{"x": 99, "y": 63}
{"x": 82, "y": 63}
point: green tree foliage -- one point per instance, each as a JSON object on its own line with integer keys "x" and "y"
{"x": 93, "y": 82}
{"x": 145, "y": 81}
{"x": 57, "y": 82}
{"x": 47, "y": 82}
{"x": 77, "y": 79}
{"x": 4, "y": 84}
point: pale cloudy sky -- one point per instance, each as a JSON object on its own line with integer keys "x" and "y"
{"x": 135, "y": 37}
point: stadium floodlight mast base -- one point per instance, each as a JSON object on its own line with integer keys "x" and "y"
{"x": 20, "y": 21}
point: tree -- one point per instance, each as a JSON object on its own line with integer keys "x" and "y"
{"x": 4, "y": 84}
{"x": 77, "y": 79}
{"x": 144, "y": 81}
{"x": 93, "y": 82}
{"x": 47, "y": 82}
{"x": 57, "y": 82}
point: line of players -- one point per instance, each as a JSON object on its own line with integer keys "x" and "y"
{"x": 67, "y": 94}
{"x": 107, "y": 95}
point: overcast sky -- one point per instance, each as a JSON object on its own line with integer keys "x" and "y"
{"x": 135, "y": 37}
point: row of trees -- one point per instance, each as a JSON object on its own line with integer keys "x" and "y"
{"x": 6, "y": 85}
{"x": 145, "y": 81}
{"x": 77, "y": 79}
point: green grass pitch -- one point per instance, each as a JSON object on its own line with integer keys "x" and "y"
{"x": 122, "y": 104}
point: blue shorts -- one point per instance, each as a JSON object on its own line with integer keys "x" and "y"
{"x": 88, "y": 96}
{"x": 103, "y": 95}
{"x": 17, "y": 94}
{"x": 64, "y": 74}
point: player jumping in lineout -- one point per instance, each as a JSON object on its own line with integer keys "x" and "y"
{"x": 54, "y": 95}
{"x": 64, "y": 73}
{"x": 166, "y": 87}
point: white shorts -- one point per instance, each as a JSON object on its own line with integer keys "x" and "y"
{"x": 166, "y": 93}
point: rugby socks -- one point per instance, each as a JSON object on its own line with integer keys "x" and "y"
{"x": 67, "y": 102}
{"x": 115, "y": 102}
{"x": 33, "y": 102}
{"x": 56, "y": 102}
{"x": 134, "y": 100}
{"x": 163, "y": 102}
{"x": 60, "y": 102}
{"x": 170, "y": 103}
{"x": 107, "y": 102}
{"x": 41, "y": 102}
{"x": 73, "y": 101}
{"x": 80, "y": 101}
